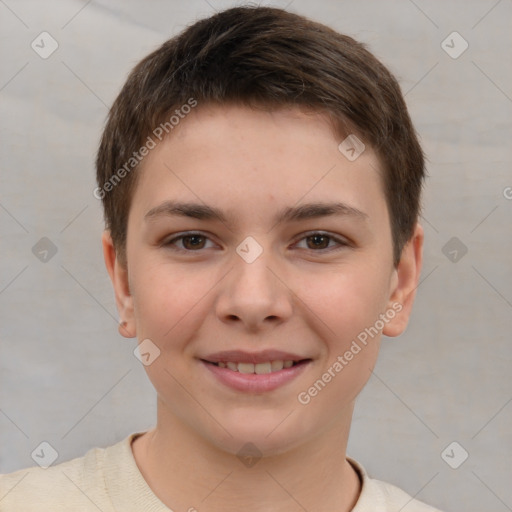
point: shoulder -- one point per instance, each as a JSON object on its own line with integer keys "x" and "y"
{"x": 72, "y": 485}
{"x": 385, "y": 497}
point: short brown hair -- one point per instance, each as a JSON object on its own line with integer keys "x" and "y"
{"x": 264, "y": 56}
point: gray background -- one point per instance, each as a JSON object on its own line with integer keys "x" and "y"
{"x": 67, "y": 376}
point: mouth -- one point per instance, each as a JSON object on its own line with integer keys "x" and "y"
{"x": 257, "y": 368}
{"x": 255, "y": 378}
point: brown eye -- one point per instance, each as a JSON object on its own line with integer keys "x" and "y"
{"x": 318, "y": 241}
{"x": 192, "y": 242}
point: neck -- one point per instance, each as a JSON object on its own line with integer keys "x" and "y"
{"x": 188, "y": 472}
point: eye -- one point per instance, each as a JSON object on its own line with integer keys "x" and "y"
{"x": 316, "y": 241}
{"x": 320, "y": 241}
{"x": 191, "y": 242}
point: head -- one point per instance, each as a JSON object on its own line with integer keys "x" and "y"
{"x": 245, "y": 114}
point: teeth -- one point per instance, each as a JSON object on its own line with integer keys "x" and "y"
{"x": 277, "y": 365}
{"x": 258, "y": 368}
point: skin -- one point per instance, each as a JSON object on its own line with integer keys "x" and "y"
{"x": 311, "y": 298}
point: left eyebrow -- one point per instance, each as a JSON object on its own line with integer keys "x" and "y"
{"x": 287, "y": 214}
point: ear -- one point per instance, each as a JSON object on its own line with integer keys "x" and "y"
{"x": 119, "y": 276}
{"x": 405, "y": 280}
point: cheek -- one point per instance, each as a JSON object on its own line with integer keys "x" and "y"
{"x": 167, "y": 299}
{"x": 344, "y": 301}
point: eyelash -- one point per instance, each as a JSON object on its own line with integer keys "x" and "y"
{"x": 342, "y": 243}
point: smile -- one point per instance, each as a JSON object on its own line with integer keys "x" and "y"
{"x": 255, "y": 377}
{"x": 258, "y": 368}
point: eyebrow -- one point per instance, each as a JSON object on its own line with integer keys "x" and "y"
{"x": 287, "y": 214}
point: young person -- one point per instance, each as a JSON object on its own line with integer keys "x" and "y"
{"x": 261, "y": 182}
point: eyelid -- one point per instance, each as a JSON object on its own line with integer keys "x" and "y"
{"x": 341, "y": 241}
{"x": 167, "y": 242}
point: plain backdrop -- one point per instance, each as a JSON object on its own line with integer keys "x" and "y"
{"x": 67, "y": 376}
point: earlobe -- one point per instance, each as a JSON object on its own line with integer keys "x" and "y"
{"x": 119, "y": 276}
{"x": 405, "y": 282}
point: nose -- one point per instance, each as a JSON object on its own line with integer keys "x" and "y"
{"x": 254, "y": 295}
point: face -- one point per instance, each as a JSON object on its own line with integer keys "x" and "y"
{"x": 255, "y": 267}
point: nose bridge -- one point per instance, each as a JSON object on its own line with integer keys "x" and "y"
{"x": 252, "y": 292}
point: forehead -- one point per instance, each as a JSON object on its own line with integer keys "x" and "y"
{"x": 248, "y": 160}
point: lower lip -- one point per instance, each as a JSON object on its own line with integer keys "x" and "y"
{"x": 254, "y": 383}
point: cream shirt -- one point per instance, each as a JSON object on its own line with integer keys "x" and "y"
{"x": 109, "y": 480}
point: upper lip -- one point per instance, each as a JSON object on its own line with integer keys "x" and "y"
{"x": 239, "y": 356}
